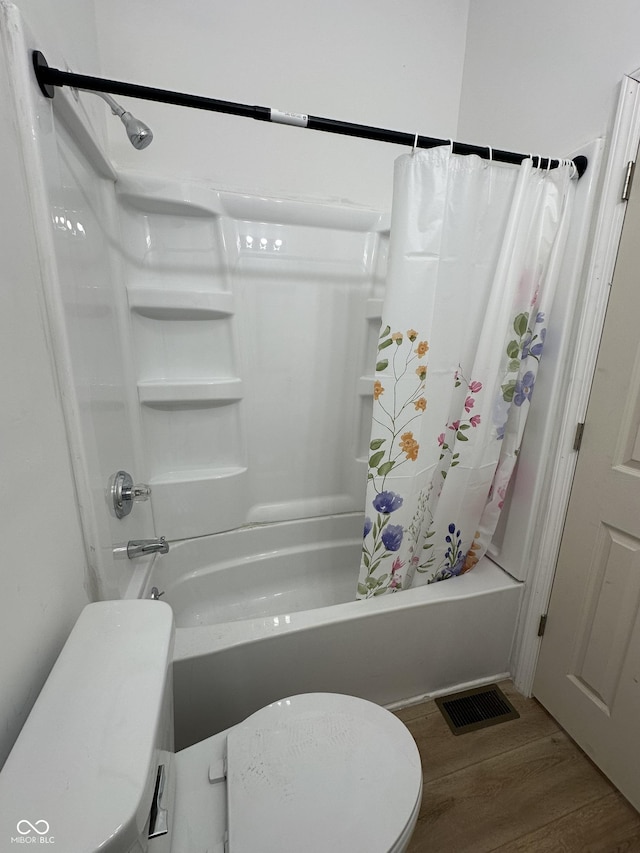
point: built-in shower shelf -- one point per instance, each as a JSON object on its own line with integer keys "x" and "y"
{"x": 158, "y": 304}
{"x": 373, "y": 310}
{"x": 365, "y": 386}
{"x": 199, "y": 475}
{"x": 185, "y": 392}
{"x": 190, "y": 502}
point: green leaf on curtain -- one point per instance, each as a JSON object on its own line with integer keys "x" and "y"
{"x": 376, "y": 443}
{"x": 520, "y": 324}
{"x": 465, "y": 426}
{"x": 385, "y": 332}
{"x": 508, "y": 391}
{"x": 429, "y": 535}
{"x": 384, "y": 469}
{"x": 385, "y": 344}
{"x": 379, "y": 592}
{"x": 376, "y": 459}
{"x": 382, "y": 365}
{"x": 362, "y": 589}
{"x": 514, "y": 365}
{"x": 371, "y": 583}
{"x": 366, "y": 560}
{"x": 513, "y": 349}
{"x": 461, "y": 436}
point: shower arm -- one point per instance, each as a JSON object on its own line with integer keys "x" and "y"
{"x": 115, "y": 107}
{"x": 48, "y": 78}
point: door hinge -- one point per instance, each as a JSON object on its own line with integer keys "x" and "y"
{"x": 628, "y": 180}
{"x": 577, "y": 439}
{"x": 542, "y": 624}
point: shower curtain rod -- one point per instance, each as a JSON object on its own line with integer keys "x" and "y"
{"x": 48, "y": 78}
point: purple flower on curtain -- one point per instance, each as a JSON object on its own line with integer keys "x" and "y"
{"x": 536, "y": 349}
{"x": 392, "y": 537}
{"x": 524, "y": 388}
{"x": 368, "y": 524}
{"x": 454, "y": 557}
{"x": 387, "y": 502}
{"x": 539, "y": 318}
{"x": 459, "y": 565}
{"x": 500, "y": 431}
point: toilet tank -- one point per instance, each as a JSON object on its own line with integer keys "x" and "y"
{"x": 82, "y": 774}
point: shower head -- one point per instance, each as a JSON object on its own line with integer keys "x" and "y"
{"x": 139, "y": 134}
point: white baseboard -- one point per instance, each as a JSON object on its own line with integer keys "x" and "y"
{"x": 456, "y": 688}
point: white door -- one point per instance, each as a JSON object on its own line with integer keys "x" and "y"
{"x": 588, "y": 675}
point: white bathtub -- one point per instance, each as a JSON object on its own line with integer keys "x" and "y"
{"x": 269, "y": 611}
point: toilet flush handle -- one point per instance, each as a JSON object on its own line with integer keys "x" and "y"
{"x": 158, "y": 819}
{"x": 124, "y": 492}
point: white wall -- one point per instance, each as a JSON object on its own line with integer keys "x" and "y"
{"x": 43, "y": 559}
{"x": 66, "y": 30}
{"x": 544, "y": 77}
{"x": 391, "y": 65}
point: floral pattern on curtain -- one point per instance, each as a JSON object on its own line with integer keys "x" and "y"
{"x": 473, "y": 264}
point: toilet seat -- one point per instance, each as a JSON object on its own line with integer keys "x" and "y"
{"x": 321, "y": 772}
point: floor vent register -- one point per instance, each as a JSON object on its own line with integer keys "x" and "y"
{"x": 475, "y": 709}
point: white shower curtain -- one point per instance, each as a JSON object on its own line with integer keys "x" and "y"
{"x": 473, "y": 264}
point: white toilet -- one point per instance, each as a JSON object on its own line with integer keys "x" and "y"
{"x": 93, "y": 769}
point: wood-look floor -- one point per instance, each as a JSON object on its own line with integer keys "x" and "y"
{"x": 518, "y": 787}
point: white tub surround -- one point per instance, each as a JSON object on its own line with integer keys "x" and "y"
{"x": 254, "y": 324}
{"x": 232, "y": 342}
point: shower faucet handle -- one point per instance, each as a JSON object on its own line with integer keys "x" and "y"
{"x": 139, "y": 492}
{"x": 124, "y": 492}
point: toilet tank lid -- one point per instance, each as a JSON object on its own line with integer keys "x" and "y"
{"x": 83, "y": 768}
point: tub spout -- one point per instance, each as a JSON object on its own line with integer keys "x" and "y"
{"x": 140, "y": 547}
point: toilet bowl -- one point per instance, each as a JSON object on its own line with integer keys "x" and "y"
{"x": 93, "y": 770}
